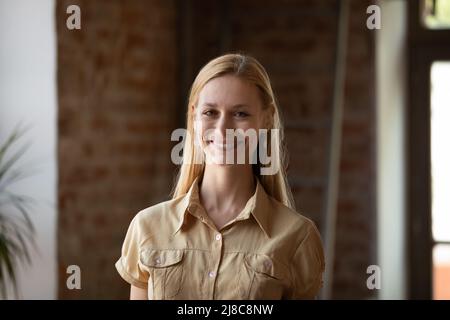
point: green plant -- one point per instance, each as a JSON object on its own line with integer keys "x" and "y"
{"x": 16, "y": 229}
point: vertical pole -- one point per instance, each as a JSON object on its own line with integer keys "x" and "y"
{"x": 332, "y": 190}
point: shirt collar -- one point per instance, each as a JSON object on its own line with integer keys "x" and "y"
{"x": 187, "y": 203}
{"x": 259, "y": 206}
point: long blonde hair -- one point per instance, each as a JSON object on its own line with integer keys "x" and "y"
{"x": 249, "y": 69}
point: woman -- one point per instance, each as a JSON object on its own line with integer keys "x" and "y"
{"x": 231, "y": 230}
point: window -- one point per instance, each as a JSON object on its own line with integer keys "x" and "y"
{"x": 440, "y": 177}
{"x": 436, "y": 14}
{"x": 428, "y": 175}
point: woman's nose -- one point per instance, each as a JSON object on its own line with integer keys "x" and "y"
{"x": 224, "y": 123}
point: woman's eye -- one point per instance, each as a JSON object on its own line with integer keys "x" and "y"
{"x": 208, "y": 113}
{"x": 241, "y": 114}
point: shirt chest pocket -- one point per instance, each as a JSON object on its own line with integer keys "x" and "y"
{"x": 261, "y": 278}
{"x": 166, "y": 272}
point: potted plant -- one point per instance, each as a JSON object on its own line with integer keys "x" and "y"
{"x": 16, "y": 229}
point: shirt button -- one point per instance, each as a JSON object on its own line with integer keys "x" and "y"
{"x": 211, "y": 274}
{"x": 218, "y": 237}
{"x": 158, "y": 261}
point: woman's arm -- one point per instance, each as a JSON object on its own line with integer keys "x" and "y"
{"x": 138, "y": 293}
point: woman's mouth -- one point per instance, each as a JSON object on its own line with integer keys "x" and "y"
{"x": 223, "y": 146}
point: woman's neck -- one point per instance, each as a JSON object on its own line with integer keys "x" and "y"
{"x": 225, "y": 190}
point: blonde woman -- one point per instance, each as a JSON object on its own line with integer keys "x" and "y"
{"x": 231, "y": 230}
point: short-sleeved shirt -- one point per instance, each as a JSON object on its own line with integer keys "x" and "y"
{"x": 268, "y": 251}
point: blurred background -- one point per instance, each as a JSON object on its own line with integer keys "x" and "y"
{"x": 366, "y": 115}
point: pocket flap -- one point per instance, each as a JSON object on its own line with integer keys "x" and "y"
{"x": 161, "y": 258}
{"x": 264, "y": 264}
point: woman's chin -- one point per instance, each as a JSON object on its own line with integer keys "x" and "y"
{"x": 217, "y": 159}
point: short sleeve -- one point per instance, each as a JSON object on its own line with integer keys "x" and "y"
{"x": 308, "y": 265}
{"x": 128, "y": 264}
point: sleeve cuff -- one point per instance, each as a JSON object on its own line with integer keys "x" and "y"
{"x": 127, "y": 277}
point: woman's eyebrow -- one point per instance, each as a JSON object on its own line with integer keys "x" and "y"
{"x": 240, "y": 106}
{"x": 214, "y": 105}
{"x": 210, "y": 104}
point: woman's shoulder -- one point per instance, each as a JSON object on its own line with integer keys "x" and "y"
{"x": 160, "y": 217}
{"x": 291, "y": 220}
{"x": 160, "y": 208}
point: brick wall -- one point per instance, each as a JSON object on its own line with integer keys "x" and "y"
{"x": 116, "y": 93}
{"x": 132, "y": 61}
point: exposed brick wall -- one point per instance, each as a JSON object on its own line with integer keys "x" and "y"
{"x": 356, "y": 225}
{"x": 117, "y": 95}
{"x": 123, "y": 81}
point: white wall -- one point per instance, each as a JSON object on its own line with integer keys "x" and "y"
{"x": 28, "y": 94}
{"x": 391, "y": 94}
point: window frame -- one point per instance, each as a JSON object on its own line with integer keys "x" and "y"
{"x": 425, "y": 46}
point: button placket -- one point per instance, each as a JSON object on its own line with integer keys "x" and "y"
{"x": 216, "y": 256}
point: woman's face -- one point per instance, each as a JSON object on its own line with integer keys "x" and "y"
{"x": 228, "y": 102}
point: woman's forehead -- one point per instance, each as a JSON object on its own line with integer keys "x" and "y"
{"x": 229, "y": 91}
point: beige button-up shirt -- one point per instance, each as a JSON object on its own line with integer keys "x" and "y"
{"x": 268, "y": 251}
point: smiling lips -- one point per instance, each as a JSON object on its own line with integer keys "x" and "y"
{"x": 222, "y": 146}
